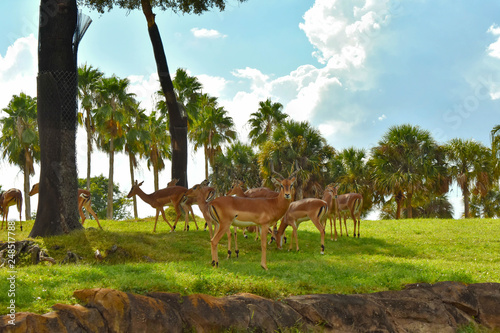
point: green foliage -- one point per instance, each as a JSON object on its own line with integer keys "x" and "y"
{"x": 182, "y": 6}
{"x": 99, "y": 193}
{"x": 389, "y": 255}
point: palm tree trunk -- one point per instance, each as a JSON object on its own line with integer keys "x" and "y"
{"x": 206, "y": 162}
{"x": 109, "y": 210}
{"x": 27, "y": 203}
{"x": 89, "y": 148}
{"x": 178, "y": 122}
{"x": 131, "y": 163}
{"x": 156, "y": 175}
{"x": 465, "y": 191}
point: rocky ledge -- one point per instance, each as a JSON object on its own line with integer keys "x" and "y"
{"x": 441, "y": 307}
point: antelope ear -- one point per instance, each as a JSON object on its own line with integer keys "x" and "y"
{"x": 140, "y": 183}
{"x": 292, "y": 180}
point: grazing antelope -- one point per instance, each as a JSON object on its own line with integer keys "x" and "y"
{"x": 10, "y": 198}
{"x": 243, "y": 212}
{"x": 299, "y": 211}
{"x": 84, "y": 200}
{"x": 168, "y": 196}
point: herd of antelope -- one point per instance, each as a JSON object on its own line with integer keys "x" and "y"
{"x": 258, "y": 208}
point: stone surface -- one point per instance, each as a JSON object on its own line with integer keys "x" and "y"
{"x": 441, "y": 307}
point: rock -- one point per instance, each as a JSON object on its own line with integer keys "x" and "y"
{"x": 441, "y": 307}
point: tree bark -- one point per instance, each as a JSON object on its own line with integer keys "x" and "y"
{"x": 27, "y": 202}
{"x": 178, "y": 122}
{"x": 89, "y": 147}
{"x": 57, "y": 119}
{"x": 132, "y": 179}
{"x": 109, "y": 208}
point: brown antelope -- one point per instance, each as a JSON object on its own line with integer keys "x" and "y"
{"x": 84, "y": 200}
{"x": 243, "y": 212}
{"x": 202, "y": 194}
{"x": 10, "y": 198}
{"x": 299, "y": 211}
{"x": 351, "y": 203}
{"x": 330, "y": 196}
{"x": 168, "y": 196}
{"x": 258, "y": 192}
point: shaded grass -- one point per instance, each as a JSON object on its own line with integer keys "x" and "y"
{"x": 389, "y": 255}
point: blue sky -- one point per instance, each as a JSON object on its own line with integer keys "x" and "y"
{"x": 350, "y": 68}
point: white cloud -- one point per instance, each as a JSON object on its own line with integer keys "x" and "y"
{"x": 18, "y": 69}
{"x": 494, "y": 48}
{"x": 145, "y": 90}
{"x": 343, "y": 32}
{"x": 212, "y": 85}
{"x": 207, "y": 33}
{"x": 382, "y": 117}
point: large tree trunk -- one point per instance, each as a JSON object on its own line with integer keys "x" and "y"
{"x": 178, "y": 122}
{"x": 57, "y": 118}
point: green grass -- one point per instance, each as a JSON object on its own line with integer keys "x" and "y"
{"x": 389, "y": 255}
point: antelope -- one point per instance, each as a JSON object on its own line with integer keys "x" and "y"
{"x": 84, "y": 200}
{"x": 9, "y": 198}
{"x": 202, "y": 194}
{"x": 351, "y": 203}
{"x": 258, "y": 192}
{"x": 330, "y": 196}
{"x": 299, "y": 211}
{"x": 167, "y": 196}
{"x": 244, "y": 212}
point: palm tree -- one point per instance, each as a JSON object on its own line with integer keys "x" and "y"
{"x": 265, "y": 120}
{"x": 470, "y": 165}
{"x": 299, "y": 146}
{"x": 137, "y": 138}
{"x": 238, "y": 162}
{"x": 407, "y": 160}
{"x": 20, "y": 141}
{"x": 158, "y": 147}
{"x": 113, "y": 100}
{"x": 350, "y": 171}
{"x": 88, "y": 77}
{"x": 212, "y": 129}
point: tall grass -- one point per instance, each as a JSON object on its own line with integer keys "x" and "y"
{"x": 389, "y": 255}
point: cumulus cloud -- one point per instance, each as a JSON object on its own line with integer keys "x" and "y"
{"x": 494, "y": 48}
{"x": 342, "y": 32}
{"x": 18, "y": 69}
{"x": 207, "y": 33}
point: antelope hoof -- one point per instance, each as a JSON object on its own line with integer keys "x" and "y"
{"x": 237, "y": 253}
{"x": 187, "y": 228}
{"x": 322, "y": 252}
{"x": 246, "y": 236}
{"x": 215, "y": 264}
{"x": 22, "y": 229}
{"x": 228, "y": 254}
{"x": 265, "y": 267}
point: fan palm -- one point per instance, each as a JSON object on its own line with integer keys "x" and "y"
{"x": 19, "y": 140}
{"x": 158, "y": 147}
{"x": 212, "y": 129}
{"x": 470, "y": 165}
{"x": 137, "y": 138}
{"x": 110, "y": 118}
{"x": 407, "y": 160}
{"x": 88, "y": 77}
{"x": 264, "y": 121}
{"x": 299, "y": 146}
